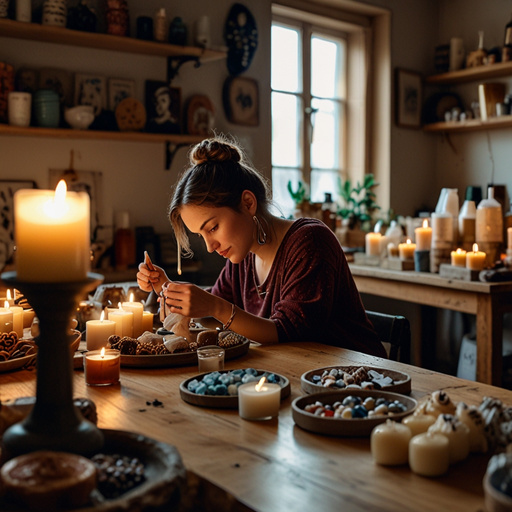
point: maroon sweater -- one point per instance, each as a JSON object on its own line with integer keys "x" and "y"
{"x": 309, "y": 292}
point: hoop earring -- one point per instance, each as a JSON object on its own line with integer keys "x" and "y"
{"x": 260, "y": 232}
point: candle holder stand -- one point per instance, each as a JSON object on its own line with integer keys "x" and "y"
{"x": 54, "y": 423}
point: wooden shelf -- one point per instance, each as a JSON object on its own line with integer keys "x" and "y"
{"x": 59, "y": 35}
{"x": 63, "y": 133}
{"x": 471, "y": 125}
{"x": 500, "y": 69}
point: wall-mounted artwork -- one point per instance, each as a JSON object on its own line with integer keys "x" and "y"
{"x": 200, "y": 115}
{"x": 408, "y": 98}
{"x": 91, "y": 90}
{"x": 163, "y": 107}
{"x": 241, "y": 100}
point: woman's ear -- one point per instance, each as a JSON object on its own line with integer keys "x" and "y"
{"x": 249, "y": 203}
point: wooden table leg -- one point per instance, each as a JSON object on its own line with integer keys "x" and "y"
{"x": 489, "y": 341}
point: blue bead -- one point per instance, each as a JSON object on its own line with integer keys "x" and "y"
{"x": 359, "y": 411}
{"x": 201, "y": 389}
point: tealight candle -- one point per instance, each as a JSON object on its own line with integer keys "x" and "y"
{"x": 423, "y": 237}
{"x": 123, "y": 320}
{"x": 429, "y": 454}
{"x": 137, "y": 309}
{"x": 458, "y": 258}
{"x": 419, "y": 423}
{"x": 406, "y": 251}
{"x": 389, "y": 443}
{"x": 97, "y": 332}
{"x": 259, "y": 401}
{"x": 102, "y": 367}
{"x": 52, "y": 234}
{"x": 147, "y": 321}
{"x": 475, "y": 260}
{"x": 6, "y": 319}
{"x": 372, "y": 243}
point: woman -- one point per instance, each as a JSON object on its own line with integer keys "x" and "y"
{"x": 284, "y": 280}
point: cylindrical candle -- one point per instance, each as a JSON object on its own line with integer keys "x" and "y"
{"x": 475, "y": 259}
{"x": 406, "y": 251}
{"x": 419, "y": 423}
{"x": 97, "y": 332}
{"x": 509, "y": 238}
{"x": 147, "y": 321}
{"x": 390, "y": 443}
{"x": 17, "y": 320}
{"x": 457, "y": 434}
{"x": 257, "y": 402}
{"x": 52, "y": 234}
{"x": 102, "y": 367}
{"x": 429, "y": 454}
{"x": 136, "y": 308}
{"x": 372, "y": 243}
{"x": 423, "y": 237}
{"x": 6, "y": 319}
{"x": 124, "y": 322}
{"x": 458, "y": 258}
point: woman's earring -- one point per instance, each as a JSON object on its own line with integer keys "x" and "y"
{"x": 260, "y": 232}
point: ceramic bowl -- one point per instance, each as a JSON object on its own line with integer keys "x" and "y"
{"x": 498, "y": 474}
{"x": 80, "y": 117}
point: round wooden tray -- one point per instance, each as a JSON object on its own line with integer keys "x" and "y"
{"x": 360, "y": 427}
{"x": 222, "y": 401}
{"x": 401, "y": 381}
{"x": 164, "y": 471}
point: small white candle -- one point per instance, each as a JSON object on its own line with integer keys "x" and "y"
{"x": 136, "y": 308}
{"x": 373, "y": 243}
{"x": 423, "y": 237}
{"x": 52, "y": 234}
{"x": 419, "y": 423}
{"x": 123, "y": 320}
{"x": 97, "y": 332}
{"x": 458, "y": 258}
{"x": 389, "y": 443}
{"x": 429, "y": 454}
{"x": 6, "y": 318}
{"x": 259, "y": 401}
{"x": 475, "y": 259}
{"x": 406, "y": 251}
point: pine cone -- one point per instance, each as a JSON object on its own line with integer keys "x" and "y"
{"x": 228, "y": 339}
{"x": 146, "y": 348}
{"x": 125, "y": 345}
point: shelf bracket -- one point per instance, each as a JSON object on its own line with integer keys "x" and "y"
{"x": 171, "y": 148}
{"x": 174, "y": 64}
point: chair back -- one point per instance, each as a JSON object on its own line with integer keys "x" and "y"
{"x": 394, "y": 331}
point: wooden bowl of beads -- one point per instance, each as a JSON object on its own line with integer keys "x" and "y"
{"x": 355, "y": 423}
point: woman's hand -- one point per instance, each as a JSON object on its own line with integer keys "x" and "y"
{"x": 149, "y": 280}
{"x": 190, "y": 300}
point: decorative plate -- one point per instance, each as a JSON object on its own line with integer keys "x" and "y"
{"x": 360, "y": 427}
{"x": 223, "y": 401}
{"x": 181, "y": 359}
{"x": 401, "y": 381}
{"x": 15, "y": 364}
{"x": 164, "y": 471}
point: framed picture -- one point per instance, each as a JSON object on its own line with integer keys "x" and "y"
{"x": 7, "y": 190}
{"x": 163, "y": 107}
{"x": 408, "y": 98}
{"x": 118, "y": 90}
{"x": 241, "y": 100}
{"x": 200, "y": 114}
{"x": 91, "y": 90}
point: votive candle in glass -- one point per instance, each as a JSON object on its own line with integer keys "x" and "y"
{"x": 259, "y": 400}
{"x": 102, "y": 367}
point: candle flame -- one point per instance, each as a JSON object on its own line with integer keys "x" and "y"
{"x": 102, "y": 316}
{"x": 60, "y": 192}
{"x": 6, "y": 304}
{"x": 8, "y": 294}
{"x": 119, "y": 305}
{"x": 260, "y": 384}
{"x": 425, "y": 223}
{"x": 459, "y": 251}
{"x": 131, "y": 297}
{"x": 102, "y": 352}
{"x": 475, "y": 247}
{"x": 408, "y": 241}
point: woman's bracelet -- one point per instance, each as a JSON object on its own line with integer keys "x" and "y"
{"x": 226, "y": 326}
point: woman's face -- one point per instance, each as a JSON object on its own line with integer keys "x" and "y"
{"x": 229, "y": 233}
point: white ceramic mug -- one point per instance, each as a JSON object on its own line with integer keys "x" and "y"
{"x": 19, "y": 108}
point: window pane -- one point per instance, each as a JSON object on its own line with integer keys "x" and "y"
{"x": 326, "y": 67}
{"x": 323, "y": 181}
{"x": 286, "y": 123}
{"x": 325, "y": 147}
{"x": 285, "y": 59}
{"x": 281, "y": 196}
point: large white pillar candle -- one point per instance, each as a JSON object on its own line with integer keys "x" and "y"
{"x": 52, "y": 235}
{"x": 429, "y": 454}
{"x": 97, "y": 332}
{"x": 259, "y": 400}
{"x": 372, "y": 243}
{"x": 389, "y": 443}
{"x": 137, "y": 309}
{"x": 6, "y": 319}
{"x": 124, "y": 322}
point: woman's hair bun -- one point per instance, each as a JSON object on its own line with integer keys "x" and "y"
{"x": 214, "y": 150}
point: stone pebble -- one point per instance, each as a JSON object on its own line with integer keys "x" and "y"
{"x": 227, "y": 383}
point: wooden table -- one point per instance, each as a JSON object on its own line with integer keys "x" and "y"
{"x": 488, "y": 301}
{"x": 275, "y": 465}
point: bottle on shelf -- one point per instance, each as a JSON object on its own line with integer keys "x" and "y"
{"x": 329, "y": 211}
{"x": 489, "y": 228}
{"x": 161, "y": 26}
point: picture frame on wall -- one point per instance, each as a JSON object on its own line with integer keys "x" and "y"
{"x": 200, "y": 115}
{"x": 241, "y": 100}
{"x": 163, "y": 107}
{"x": 118, "y": 90}
{"x": 408, "y": 98}
{"x": 91, "y": 90}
